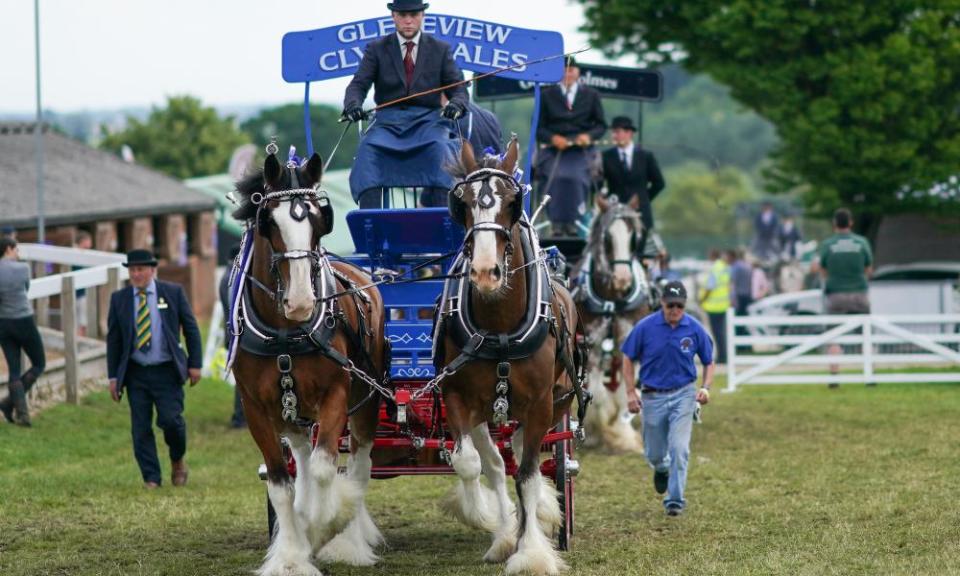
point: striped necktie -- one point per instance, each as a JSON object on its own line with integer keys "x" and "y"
{"x": 143, "y": 321}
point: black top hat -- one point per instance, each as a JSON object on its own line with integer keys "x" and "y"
{"x": 623, "y": 122}
{"x": 674, "y": 291}
{"x": 407, "y": 6}
{"x": 140, "y": 258}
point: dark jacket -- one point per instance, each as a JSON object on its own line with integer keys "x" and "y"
{"x": 382, "y": 67}
{"x": 177, "y": 315}
{"x": 482, "y": 129}
{"x": 644, "y": 179}
{"x": 585, "y": 117}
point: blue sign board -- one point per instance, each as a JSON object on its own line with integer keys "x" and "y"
{"x": 477, "y": 45}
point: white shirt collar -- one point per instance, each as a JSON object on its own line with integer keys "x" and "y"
{"x": 628, "y": 149}
{"x": 415, "y": 40}
{"x": 570, "y": 92}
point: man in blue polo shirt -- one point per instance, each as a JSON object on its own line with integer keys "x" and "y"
{"x": 664, "y": 344}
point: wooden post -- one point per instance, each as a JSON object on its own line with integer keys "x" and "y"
{"x": 42, "y": 312}
{"x": 68, "y": 305}
{"x": 93, "y": 309}
{"x": 113, "y": 280}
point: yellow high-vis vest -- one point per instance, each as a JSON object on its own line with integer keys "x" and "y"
{"x": 718, "y": 300}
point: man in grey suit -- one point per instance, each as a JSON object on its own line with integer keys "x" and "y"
{"x": 409, "y": 143}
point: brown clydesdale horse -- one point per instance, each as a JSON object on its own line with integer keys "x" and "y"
{"x": 496, "y": 256}
{"x": 612, "y": 296}
{"x": 285, "y": 313}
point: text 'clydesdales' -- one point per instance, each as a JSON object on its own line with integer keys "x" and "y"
{"x": 477, "y": 45}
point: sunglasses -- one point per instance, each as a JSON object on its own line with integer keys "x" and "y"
{"x": 672, "y": 305}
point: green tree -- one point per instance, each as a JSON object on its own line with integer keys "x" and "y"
{"x": 185, "y": 139}
{"x": 697, "y": 209}
{"x": 864, "y": 94}
{"x": 286, "y": 124}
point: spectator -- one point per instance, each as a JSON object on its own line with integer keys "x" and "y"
{"x": 766, "y": 226}
{"x": 716, "y": 301}
{"x": 741, "y": 281}
{"x": 789, "y": 236}
{"x": 846, "y": 262}
{"x": 664, "y": 344}
{"x": 84, "y": 241}
{"x": 18, "y": 333}
{"x": 145, "y": 358}
{"x": 8, "y": 232}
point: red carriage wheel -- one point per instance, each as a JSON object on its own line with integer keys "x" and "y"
{"x": 566, "y": 469}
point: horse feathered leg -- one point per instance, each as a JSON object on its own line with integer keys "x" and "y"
{"x": 289, "y": 553}
{"x": 505, "y": 537}
{"x": 535, "y": 552}
{"x": 470, "y": 501}
{"x": 355, "y": 545}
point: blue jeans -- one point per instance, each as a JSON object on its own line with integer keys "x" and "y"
{"x": 667, "y": 424}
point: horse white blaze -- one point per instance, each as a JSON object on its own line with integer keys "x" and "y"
{"x": 620, "y": 239}
{"x": 299, "y": 299}
{"x": 485, "y": 257}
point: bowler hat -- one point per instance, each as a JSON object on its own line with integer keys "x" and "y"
{"x": 407, "y": 6}
{"x": 140, "y": 258}
{"x": 624, "y": 123}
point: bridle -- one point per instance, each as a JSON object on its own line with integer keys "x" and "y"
{"x": 299, "y": 199}
{"x": 486, "y": 199}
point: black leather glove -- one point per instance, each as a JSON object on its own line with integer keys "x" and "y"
{"x": 354, "y": 114}
{"x": 452, "y": 110}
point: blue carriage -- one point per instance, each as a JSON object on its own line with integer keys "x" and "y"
{"x": 409, "y": 252}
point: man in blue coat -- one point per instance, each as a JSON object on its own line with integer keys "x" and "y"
{"x": 145, "y": 358}
{"x": 409, "y": 143}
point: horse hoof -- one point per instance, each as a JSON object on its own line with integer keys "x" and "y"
{"x": 289, "y": 569}
{"x": 543, "y": 562}
{"x": 501, "y": 549}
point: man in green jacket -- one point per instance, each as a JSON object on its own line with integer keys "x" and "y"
{"x": 846, "y": 262}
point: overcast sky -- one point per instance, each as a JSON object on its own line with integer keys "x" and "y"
{"x": 115, "y": 53}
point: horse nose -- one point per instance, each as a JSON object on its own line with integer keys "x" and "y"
{"x": 493, "y": 273}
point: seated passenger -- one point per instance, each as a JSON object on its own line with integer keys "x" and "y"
{"x": 408, "y": 144}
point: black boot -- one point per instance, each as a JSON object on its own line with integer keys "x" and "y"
{"x": 19, "y": 397}
{"x": 6, "y": 406}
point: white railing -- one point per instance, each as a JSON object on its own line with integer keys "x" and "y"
{"x": 791, "y": 349}
{"x": 102, "y": 269}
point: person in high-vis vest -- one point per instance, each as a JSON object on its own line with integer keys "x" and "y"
{"x": 715, "y": 301}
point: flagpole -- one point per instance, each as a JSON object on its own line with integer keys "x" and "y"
{"x": 38, "y": 132}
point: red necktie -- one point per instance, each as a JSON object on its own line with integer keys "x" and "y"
{"x": 408, "y": 62}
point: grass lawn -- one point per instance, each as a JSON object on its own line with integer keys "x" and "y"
{"x": 783, "y": 480}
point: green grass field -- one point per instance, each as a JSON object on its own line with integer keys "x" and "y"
{"x": 783, "y": 480}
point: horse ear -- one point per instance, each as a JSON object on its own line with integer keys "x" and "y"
{"x": 509, "y": 163}
{"x": 314, "y": 169}
{"x": 467, "y": 157}
{"x": 271, "y": 171}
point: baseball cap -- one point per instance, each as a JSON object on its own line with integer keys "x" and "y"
{"x": 674, "y": 292}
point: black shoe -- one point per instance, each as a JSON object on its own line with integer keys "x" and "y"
{"x": 674, "y": 510}
{"x": 660, "y": 480}
{"x": 833, "y": 385}
{"x": 6, "y": 407}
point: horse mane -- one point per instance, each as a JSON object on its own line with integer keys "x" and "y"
{"x": 250, "y": 184}
{"x": 458, "y": 170}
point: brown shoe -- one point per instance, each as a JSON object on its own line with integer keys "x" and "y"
{"x": 151, "y": 485}
{"x": 179, "y": 474}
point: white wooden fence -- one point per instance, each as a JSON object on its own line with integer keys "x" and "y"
{"x": 103, "y": 271}
{"x": 792, "y": 349}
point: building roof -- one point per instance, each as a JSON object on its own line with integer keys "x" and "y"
{"x": 81, "y": 183}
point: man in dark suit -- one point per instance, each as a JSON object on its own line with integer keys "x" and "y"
{"x": 144, "y": 357}
{"x": 632, "y": 173}
{"x": 398, "y": 65}
{"x": 571, "y": 118}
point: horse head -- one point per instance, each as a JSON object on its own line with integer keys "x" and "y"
{"x": 613, "y": 243}
{"x": 290, "y": 214}
{"x": 488, "y": 202}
